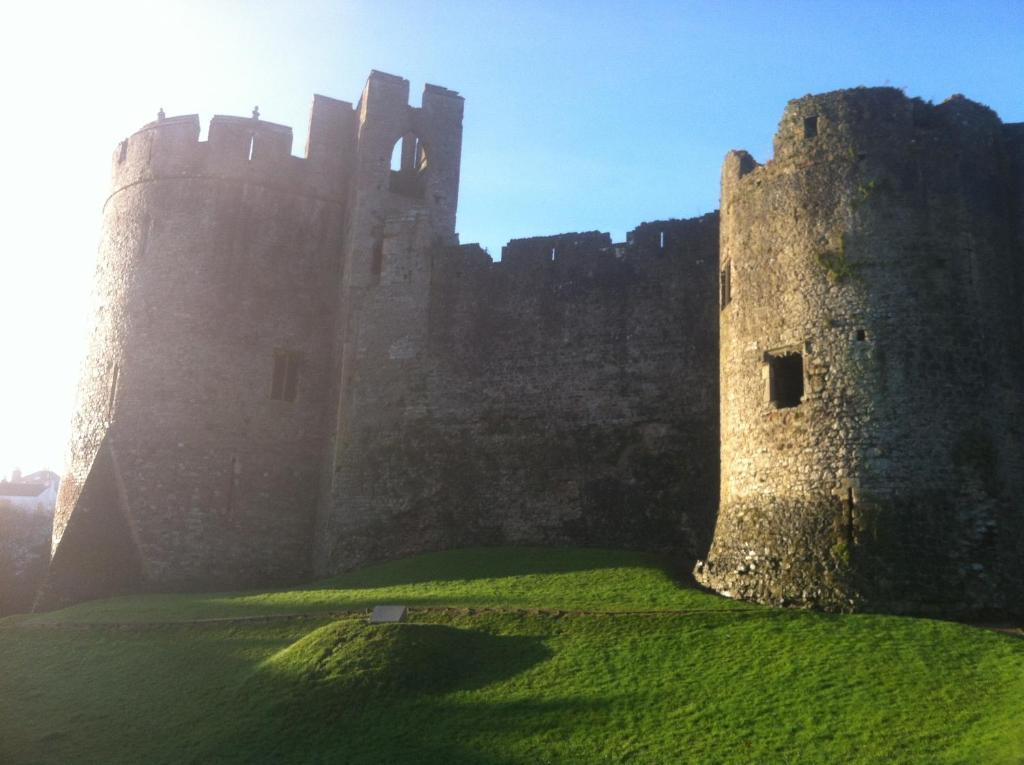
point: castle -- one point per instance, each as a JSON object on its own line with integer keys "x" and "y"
{"x": 815, "y": 395}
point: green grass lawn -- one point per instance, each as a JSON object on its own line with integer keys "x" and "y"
{"x": 696, "y": 679}
{"x": 528, "y": 577}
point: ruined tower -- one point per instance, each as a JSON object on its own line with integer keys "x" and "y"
{"x": 402, "y": 213}
{"x": 871, "y": 360}
{"x": 228, "y": 273}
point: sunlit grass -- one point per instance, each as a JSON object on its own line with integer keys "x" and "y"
{"x": 570, "y": 579}
{"x": 458, "y": 687}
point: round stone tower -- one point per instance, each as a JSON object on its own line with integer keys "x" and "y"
{"x": 871, "y": 361}
{"x": 205, "y": 394}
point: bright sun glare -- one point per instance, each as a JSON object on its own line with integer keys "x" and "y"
{"x": 74, "y": 94}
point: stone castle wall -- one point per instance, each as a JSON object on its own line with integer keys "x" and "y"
{"x": 564, "y": 395}
{"x": 216, "y": 261}
{"x": 875, "y": 247}
{"x": 295, "y": 369}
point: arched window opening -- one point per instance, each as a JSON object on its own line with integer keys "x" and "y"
{"x": 408, "y": 167}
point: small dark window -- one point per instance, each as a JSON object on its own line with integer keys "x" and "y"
{"x": 810, "y": 127}
{"x": 861, "y": 335}
{"x": 286, "y": 375}
{"x": 725, "y": 284}
{"x": 124, "y": 151}
{"x": 785, "y": 379}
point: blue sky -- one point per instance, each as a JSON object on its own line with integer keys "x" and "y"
{"x": 579, "y": 115}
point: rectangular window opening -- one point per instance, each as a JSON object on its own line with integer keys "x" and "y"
{"x": 284, "y": 385}
{"x": 785, "y": 378}
{"x": 661, "y": 240}
{"x": 252, "y": 146}
{"x": 725, "y": 284}
{"x": 124, "y": 151}
{"x": 861, "y": 335}
{"x": 810, "y": 127}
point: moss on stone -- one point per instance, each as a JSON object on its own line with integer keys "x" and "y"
{"x": 841, "y": 553}
{"x": 835, "y": 262}
{"x": 869, "y": 190}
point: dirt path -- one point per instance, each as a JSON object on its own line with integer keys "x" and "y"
{"x": 1007, "y": 628}
{"x": 554, "y": 613}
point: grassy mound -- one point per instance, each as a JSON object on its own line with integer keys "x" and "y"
{"x": 350, "y": 660}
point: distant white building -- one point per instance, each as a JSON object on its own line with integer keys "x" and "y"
{"x": 36, "y": 492}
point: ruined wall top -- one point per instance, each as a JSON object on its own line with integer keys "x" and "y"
{"x": 594, "y": 249}
{"x": 867, "y": 122}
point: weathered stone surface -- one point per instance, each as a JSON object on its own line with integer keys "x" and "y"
{"x": 540, "y": 400}
{"x": 881, "y": 249}
{"x": 296, "y": 369}
{"x": 215, "y": 256}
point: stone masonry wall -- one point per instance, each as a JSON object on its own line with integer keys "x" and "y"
{"x": 294, "y": 369}
{"x": 217, "y": 258}
{"x": 565, "y": 395}
{"x": 878, "y": 245}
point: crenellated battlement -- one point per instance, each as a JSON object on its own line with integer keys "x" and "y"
{"x": 676, "y": 236}
{"x": 650, "y": 241}
{"x": 536, "y": 250}
{"x": 247, "y": 149}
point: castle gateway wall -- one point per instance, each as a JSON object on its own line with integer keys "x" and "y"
{"x": 564, "y": 395}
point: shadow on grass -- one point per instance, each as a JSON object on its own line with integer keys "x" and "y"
{"x": 353, "y": 692}
{"x": 486, "y": 563}
{"x": 478, "y": 577}
{"x": 427, "y": 731}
